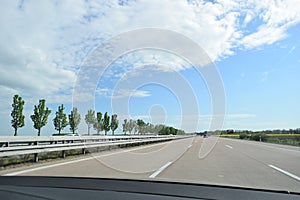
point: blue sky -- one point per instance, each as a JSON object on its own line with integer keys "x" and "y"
{"x": 255, "y": 46}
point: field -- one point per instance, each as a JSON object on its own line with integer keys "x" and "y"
{"x": 288, "y": 139}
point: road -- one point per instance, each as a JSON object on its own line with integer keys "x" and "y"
{"x": 198, "y": 160}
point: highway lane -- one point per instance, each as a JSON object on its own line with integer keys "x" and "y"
{"x": 238, "y": 163}
{"x": 137, "y": 162}
{"x": 287, "y": 157}
{"x": 230, "y": 162}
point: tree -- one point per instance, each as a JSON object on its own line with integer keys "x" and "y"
{"x": 60, "y": 120}
{"x": 90, "y": 119}
{"x": 131, "y": 125}
{"x": 106, "y": 124}
{"x": 141, "y": 125}
{"x": 162, "y": 130}
{"x": 125, "y": 126}
{"x": 114, "y": 123}
{"x": 135, "y": 128}
{"x": 17, "y": 113}
{"x": 40, "y": 115}
{"x": 98, "y": 125}
{"x": 74, "y": 120}
{"x": 151, "y": 128}
{"x": 158, "y": 128}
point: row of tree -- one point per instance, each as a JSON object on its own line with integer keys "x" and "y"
{"x": 41, "y": 113}
{"x": 98, "y": 121}
{"x": 40, "y": 116}
{"x": 139, "y": 126}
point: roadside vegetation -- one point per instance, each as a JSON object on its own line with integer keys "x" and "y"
{"x": 103, "y": 124}
{"x": 17, "y": 114}
{"x": 287, "y": 137}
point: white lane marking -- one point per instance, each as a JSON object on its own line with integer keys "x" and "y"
{"x": 73, "y": 161}
{"x": 160, "y": 170}
{"x": 285, "y": 172}
{"x": 190, "y": 146}
{"x": 229, "y": 146}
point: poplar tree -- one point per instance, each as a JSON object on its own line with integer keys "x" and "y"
{"x": 90, "y": 119}
{"x": 98, "y": 125}
{"x": 17, "y": 113}
{"x": 114, "y": 123}
{"x": 74, "y": 120}
{"x": 60, "y": 120}
{"x": 40, "y": 115}
{"x": 106, "y": 124}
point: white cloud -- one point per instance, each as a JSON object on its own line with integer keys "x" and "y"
{"x": 27, "y": 44}
{"x": 122, "y": 93}
{"x": 159, "y": 60}
{"x": 218, "y": 27}
{"x": 32, "y": 74}
{"x": 265, "y": 35}
{"x": 129, "y": 93}
{"x": 226, "y": 116}
{"x": 44, "y": 42}
{"x": 276, "y": 17}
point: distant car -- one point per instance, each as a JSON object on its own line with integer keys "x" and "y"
{"x": 205, "y": 136}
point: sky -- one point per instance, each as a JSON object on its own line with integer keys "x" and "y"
{"x": 248, "y": 78}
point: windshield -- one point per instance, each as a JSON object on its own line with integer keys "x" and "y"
{"x": 181, "y": 91}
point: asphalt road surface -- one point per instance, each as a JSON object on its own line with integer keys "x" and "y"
{"x": 210, "y": 160}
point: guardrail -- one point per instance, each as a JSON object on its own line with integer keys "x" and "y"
{"x": 22, "y": 145}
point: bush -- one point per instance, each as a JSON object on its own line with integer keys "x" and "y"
{"x": 259, "y": 137}
{"x": 243, "y": 136}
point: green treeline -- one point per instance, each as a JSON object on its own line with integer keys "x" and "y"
{"x": 100, "y": 122}
{"x": 140, "y": 127}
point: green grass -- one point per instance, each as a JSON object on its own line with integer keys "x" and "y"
{"x": 277, "y": 140}
{"x": 286, "y": 139}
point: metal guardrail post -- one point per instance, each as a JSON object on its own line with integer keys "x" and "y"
{"x": 36, "y": 157}
{"x": 63, "y": 154}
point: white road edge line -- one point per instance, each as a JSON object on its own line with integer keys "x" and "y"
{"x": 190, "y": 146}
{"x": 73, "y": 161}
{"x": 160, "y": 170}
{"x": 56, "y": 165}
{"x": 229, "y": 146}
{"x": 285, "y": 172}
{"x": 45, "y": 167}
